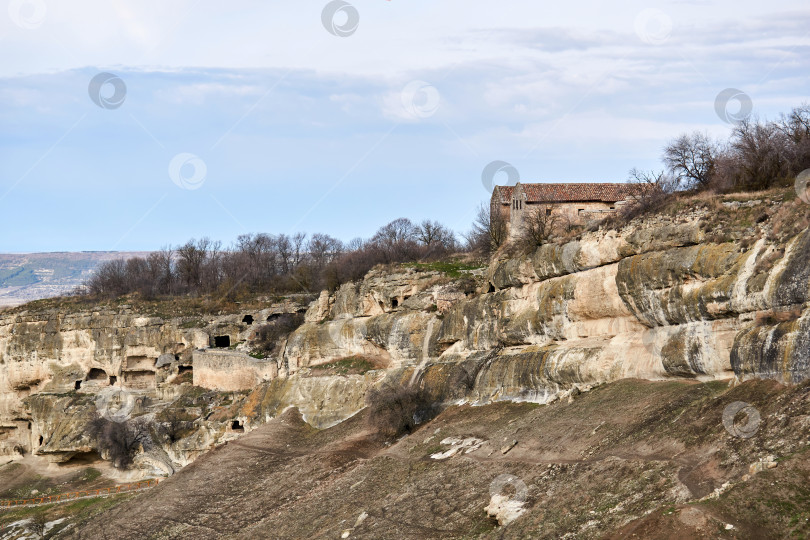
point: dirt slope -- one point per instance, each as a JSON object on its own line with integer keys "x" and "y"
{"x": 629, "y": 459}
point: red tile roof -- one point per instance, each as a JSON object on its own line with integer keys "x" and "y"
{"x": 579, "y": 192}
{"x": 506, "y": 193}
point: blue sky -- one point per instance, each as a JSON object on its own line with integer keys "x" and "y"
{"x": 302, "y": 130}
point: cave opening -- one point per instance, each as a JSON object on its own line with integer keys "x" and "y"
{"x": 222, "y": 341}
{"x": 41, "y": 438}
{"x": 82, "y": 458}
{"x": 273, "y": 317}
{"x": 113, "y": 379}
{"x": 77, "y": 385}
{"x": 184, "y": 369}
{"x": 96, "y": 374}
{"x": 394, "y": 302}
{"x": 247, "y": 319}
{"x": 236, "y": 425}
{"x": 491, "y": 288}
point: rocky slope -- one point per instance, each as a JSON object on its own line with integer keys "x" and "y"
{"x": 662, "y": 297}
{"x": 630, "y": 459}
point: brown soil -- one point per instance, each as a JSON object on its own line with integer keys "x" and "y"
{"x": 626, "y": 460}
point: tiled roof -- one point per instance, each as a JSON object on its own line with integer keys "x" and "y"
{"x": 506, "y": 193}
{"x": 575, "y": 192}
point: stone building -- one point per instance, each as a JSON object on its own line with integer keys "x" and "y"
{"x": 569, "y": 203}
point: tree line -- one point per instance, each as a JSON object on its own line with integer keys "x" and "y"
{"x": 757, "y": 155}
{"x": 267, "y": 263}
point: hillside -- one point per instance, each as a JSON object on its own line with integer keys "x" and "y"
{"x": 630, "y": 459}
{"x": 622, "y": 374}
{"x": 31, "y": 276}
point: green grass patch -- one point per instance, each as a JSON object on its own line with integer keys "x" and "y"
{"x": 351, "y": 364}
{"x": 195, "y": 323}
{"x": 451, "y": 269}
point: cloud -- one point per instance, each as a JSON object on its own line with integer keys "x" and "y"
{"x": 281, "y": 110}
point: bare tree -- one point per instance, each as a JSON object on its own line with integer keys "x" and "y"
{"x": 396, "y": 241}
{"x": 190, "y": 259}
{"x": 538, "y": 227}
{"x": 796, "y": 124}
{"x": 161, "y": 270}
{"x": 655, "y": 188}
{"x": 434, "y": 238}
{"x": 110, "y": 279}
{"x": 691, "y": 159}
{"x": 119, "y": 440}
{"x": 760, "y": 155}
{"x": 285, "y": 249}
{"x": 323, "y": 249}
{"x": 489, "y": 230}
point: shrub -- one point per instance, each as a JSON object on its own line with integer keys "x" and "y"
{"x": 658, "y": 189}
{"x": 118, "y": 440}
{"x": 395, "y": 409}
{"x": 538, "y": 228}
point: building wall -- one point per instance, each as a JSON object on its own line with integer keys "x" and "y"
{"x": 579, "y": 212}
{"x": 231, "y": 371}
{"x": 574, "y": 213}
{"x": 495, "y": 205}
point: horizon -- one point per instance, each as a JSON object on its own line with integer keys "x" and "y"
{"x": 305, "y": 117}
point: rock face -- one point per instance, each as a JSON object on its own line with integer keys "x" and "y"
{"x": 654, "y": 300}
{"x": 58, "y": 370}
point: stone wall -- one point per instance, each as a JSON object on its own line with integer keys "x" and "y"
{"x": 231, "y": 371}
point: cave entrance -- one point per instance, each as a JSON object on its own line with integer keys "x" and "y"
{"x": 222, "y": 342}
{"x": 273, "y": 317}
{"x": 247, "y": 319}
{"x": 41, "y": 438}
{"x": 82, "y": 458}
{"x": 394, "y": 302}
{"x": 77, "y": 385}
{"x": 491, "y": 288}
{"x": 96, "y": 374}
{"x": 236, "y": 425}
{"x": 184, "y": 369}
{"x": 113, "y": 379}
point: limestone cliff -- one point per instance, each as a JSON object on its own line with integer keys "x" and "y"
{"x": 660, "y": 297}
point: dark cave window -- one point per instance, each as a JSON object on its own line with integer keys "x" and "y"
{"x": 222, "y": 341}
{"x": 247, "y": 319}
{"x": 96, "y": 374}
{"x": 236, "y": 425}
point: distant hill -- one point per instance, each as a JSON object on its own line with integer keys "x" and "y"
{"x": 30, "y": 276}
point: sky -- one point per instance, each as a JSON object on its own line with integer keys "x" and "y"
{"x": 135, "y": 124}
